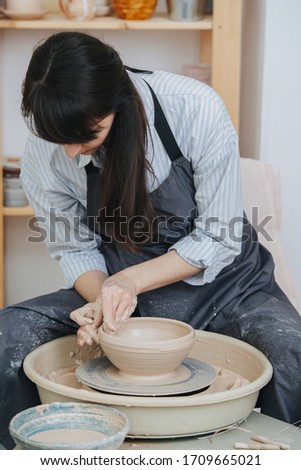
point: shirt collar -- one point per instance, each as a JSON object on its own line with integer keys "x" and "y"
{"x": 84, "y": 160}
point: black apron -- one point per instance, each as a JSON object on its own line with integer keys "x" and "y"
{"x": 252, "y": 270}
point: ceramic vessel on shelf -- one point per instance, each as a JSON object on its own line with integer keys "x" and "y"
{"x": 14, "y": 195}
{"x": 24, "y": 5}
{"x": 25, "y": 10}
{"x": 148, "y": 347}
{"x": 103, "y": 7}
{"x": 69, "y": 426}
{"x": 185, "y": 10}
{"x": 134, "y": 9}
{"x": 25, "y": 15}
{"x": 79, "y": 10}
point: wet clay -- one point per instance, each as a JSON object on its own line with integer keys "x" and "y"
{"x": 84, "y": 353}
{"x": 148, "y": 347}
{"x": 66, "y": 375}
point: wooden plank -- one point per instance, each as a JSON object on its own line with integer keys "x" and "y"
{"x": 60, "y": 22}
{"x": 206, "y": 47}
{"x": 226, "y": 53}
{"x": 161, "y": 22}
{"x": 17, "y": 211}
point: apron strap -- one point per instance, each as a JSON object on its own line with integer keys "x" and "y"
{"x": 164, "y": 131}
{"x": 161, "y": 123}
{"x": 91, "y": 169}
{"x": 133, "y": 70}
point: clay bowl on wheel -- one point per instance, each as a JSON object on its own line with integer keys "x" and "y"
{"x": 148, "y": 347}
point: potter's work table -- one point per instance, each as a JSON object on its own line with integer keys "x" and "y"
{"x": 256, "y": 423}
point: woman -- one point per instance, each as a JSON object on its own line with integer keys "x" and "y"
{"x": 134, "y": 178}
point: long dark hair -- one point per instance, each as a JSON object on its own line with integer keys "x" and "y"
{"x": 73, "y": 81}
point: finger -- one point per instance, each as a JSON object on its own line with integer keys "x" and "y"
{"x": 119, "y": 321}
{"x": 83, "y": 316}
{"x": 108, "y": 310}
{"x": 123, "y": 311}
{"x": 97, "y": 320}
{"x": 86, "y": 335}
{"x": 83, "y": 338}
{"x": 126, "y": 307}
{"x": 81, "y": 313}
{"x": 92, "y": 332}
{"x": 98, "y": 315}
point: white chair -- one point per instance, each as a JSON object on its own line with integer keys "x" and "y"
{"x": 261, "y": 189}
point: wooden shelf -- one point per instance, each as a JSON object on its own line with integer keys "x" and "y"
{"x": 17, "y": 211}
{"x": 58, "y": 21}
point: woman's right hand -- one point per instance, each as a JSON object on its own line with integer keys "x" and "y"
{"x": 89, "y": 318}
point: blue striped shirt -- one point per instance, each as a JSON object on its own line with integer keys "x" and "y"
{"x": 203, "y": 130}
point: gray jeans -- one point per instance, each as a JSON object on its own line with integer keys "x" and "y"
{"x": 23, "y": 327}
{"x": 274, "y": 327}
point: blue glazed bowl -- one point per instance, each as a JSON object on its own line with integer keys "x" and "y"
{"x": 69, "y": 426}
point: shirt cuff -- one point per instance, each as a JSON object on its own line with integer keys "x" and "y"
{"x": 74, "y": 264}
{"x": 212, "y": 258}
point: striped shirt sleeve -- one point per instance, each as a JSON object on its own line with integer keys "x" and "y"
{"x": 60, "y": 209}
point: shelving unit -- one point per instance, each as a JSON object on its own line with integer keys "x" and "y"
{"x": 220, "y": 45}
{"x": 58, "y": 21}
{"x": 17, "y": 211}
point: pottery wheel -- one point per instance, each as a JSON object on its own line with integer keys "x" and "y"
{"x": 190, "y": 377}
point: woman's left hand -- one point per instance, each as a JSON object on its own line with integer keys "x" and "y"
{"x": 119, "y": 300}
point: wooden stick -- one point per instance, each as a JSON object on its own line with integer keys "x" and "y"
{"x": 266, "y": 440}
{"x": 259, "y": 446}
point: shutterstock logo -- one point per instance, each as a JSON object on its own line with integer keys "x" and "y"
{"x": 58, "y": 227}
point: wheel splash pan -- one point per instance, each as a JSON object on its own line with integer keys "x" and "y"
{"x": 161, "y": 417}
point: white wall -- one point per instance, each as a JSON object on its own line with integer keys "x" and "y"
{"x": 271, "y": 103}
{"x": 281, "y": 123}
